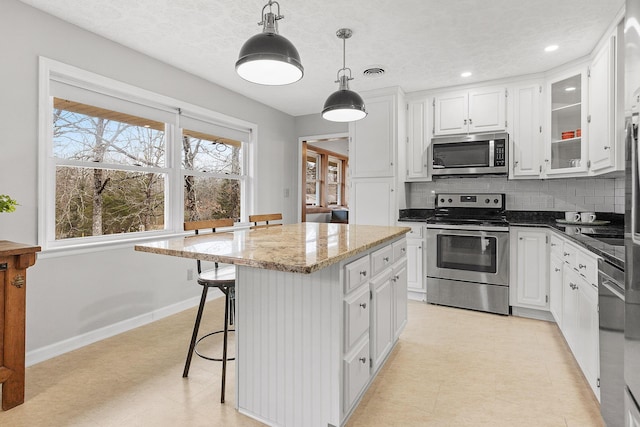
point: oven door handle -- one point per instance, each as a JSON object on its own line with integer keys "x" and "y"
{"x": 488, "y": 229}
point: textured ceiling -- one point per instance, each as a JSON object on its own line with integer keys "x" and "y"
{"x": 422, "y": 44}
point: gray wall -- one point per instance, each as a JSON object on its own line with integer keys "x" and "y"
{"x": 582, "y": 194}
{"x": 88, "y": 295}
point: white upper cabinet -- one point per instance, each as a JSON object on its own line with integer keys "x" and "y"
{"x": 374, "y": 138}
{"x": 526, "y": 136}
{"x": 417, "y": 152}
{"x": 477, "y": 110}
{"x": 605, "y": 155}
{"x": 565, "y": 147}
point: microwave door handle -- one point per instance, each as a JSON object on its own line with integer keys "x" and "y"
{"x": 631, "y": 141}
{"x": 491, "y": 153}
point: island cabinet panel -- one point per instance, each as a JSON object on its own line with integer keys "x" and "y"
{"x": 309, "y": 345}
{"x": 289, "y": 330}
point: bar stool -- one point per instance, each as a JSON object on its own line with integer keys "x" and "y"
{"x": 223, "y": 278}
{"x": 257, "y": 219}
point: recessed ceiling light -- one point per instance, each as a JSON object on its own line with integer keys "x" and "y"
{"x": 466, "y": 74}
{"x": 569, "y": 89}
{"x": 551, "y": 48}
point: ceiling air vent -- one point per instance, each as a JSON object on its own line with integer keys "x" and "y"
{"x": 373, "y": 72}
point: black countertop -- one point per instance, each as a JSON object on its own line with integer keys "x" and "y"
{"x": 578, "y": 234}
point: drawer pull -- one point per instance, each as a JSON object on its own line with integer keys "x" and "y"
{"x": 566, "y": 253}
{"x": 553, "y": 244}
{"x": 557, "y": 269}
{"x": 403, "y": 250}
{"x": 363, "y": 305}
{"x": 363, "y": 273}
{"x": 582, "y": 266}
{"x": 363, "y": 359}
{"x": 386, "y": 259}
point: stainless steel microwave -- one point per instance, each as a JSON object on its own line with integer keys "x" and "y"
{"x": 479, "y": 154}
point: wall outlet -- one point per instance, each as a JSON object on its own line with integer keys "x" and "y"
{"x": 189, "y": 273}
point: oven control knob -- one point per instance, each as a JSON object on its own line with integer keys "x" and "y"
{"x": 441, "y": 200}
{"x": 495, "y": 201}
{"x": 450, "y": 201}
{"x": 487, "y": 200}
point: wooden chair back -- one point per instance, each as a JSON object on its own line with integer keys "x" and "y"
{"x": 207, "y": 224}
{"x": 257, "y": 220}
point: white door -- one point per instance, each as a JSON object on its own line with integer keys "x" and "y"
{"x": 381, "y": 317}
{"x": 487, "y": 109}
{"x": 532, "y": 284}
{"x": 399, "y": 281}
{"x": 415, "y": 273}
{"x": 372, "y": 202}
{"x": 451, "y": 112}
{"x": 371, "y": 152}
{"x": 417, "y": 139}
{"x": 555, "y": 288}
{"x": 601, "y": 109}
{"x": 527, "y": 136}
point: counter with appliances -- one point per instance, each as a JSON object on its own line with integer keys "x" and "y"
{"x": 596, "y": 239}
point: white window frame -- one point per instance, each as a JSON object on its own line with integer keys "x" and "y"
{"x": 174, "y": 192}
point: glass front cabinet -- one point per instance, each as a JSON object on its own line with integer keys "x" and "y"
{"x": 566, "y": 147}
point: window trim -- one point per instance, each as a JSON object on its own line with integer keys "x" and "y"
{"x": 174, "y": 208}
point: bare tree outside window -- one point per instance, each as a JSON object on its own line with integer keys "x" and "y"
{"x": 97, "y": 193}
{"x": 213, "y": 189}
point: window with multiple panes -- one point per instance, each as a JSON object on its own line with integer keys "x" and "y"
{"x": 120, "y": 166}
{"x": 313, "y": 179}
{"x": 325, "y": 178}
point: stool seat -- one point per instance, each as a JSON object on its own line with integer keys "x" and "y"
{"x": 223, "y": 276}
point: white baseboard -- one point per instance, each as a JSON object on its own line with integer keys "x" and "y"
{"x": 44, "y": 353}
{"x": 532, "y": 313}
{"x": 417, "y": 296}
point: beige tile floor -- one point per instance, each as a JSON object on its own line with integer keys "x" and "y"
{"x": 451, "y": 368}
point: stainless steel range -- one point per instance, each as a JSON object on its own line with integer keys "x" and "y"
{"x": 468, "y": 252}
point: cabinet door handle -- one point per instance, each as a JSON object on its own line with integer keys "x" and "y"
{"x": 470, "y": 122}
{"x": 556, "y": 269}
{"x": 582, "y": 266}
{"x": 606, "y": 147}
{"x": 516, "y": 163}
{"x": 554, "y": 244}
{"x": 403, "y": 250}
{"x": 363, "y": 305}
{"x": 465, "y": 121}
{"x": 363, "y": 359}
{"x": 566, "y": 253}
{"x": 386, "y": 259}
{"x": 363, "y": 273}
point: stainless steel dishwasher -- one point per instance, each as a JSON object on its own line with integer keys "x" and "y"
{"x": 611, "y": 313}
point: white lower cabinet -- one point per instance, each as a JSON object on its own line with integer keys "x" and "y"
{"x": 382, "y": 317}
{"x": 375, "y": 313}
{"x": 416, "y": 261}
{"x": 580, "y": 323}
{"x": 356, "y": 373}
{"x": 531, "y": 271}
{"x": 555, "y": 288}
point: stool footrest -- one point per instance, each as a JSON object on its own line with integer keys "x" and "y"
{"x": 195, "y": 349}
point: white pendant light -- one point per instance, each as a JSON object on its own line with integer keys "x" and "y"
{"x": 268, "y": 58}
{"x": 344, "y": 105}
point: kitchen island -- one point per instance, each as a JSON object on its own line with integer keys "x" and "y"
{"x": 319, "y": 307}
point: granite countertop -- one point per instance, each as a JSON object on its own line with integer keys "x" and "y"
{"x": 581, "y": 234}
{"x": 576, "y": 233}
{"x": 297, "y": 248}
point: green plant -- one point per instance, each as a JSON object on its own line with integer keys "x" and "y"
{"x": 7, "y": 204}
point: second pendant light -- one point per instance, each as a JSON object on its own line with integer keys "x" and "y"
{"x": 344, "y": 105}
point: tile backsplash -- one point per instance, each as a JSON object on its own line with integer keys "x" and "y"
{"x": 580, "y": 194}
